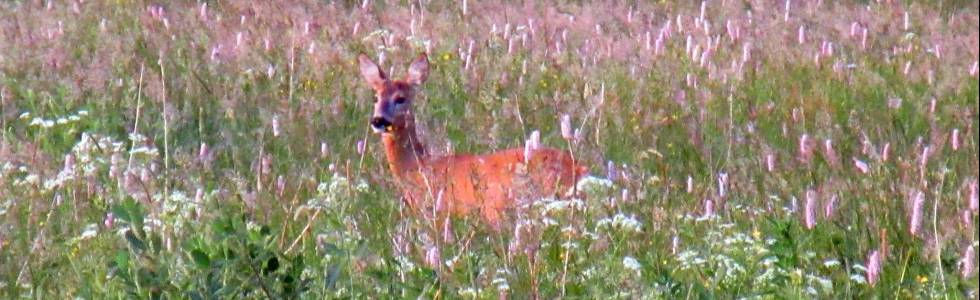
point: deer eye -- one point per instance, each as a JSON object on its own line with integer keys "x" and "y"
{"x": 400, "y": 100}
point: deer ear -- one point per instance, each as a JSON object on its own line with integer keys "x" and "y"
{"x": 371, "y": 72}
{"x": 419, "y": 70}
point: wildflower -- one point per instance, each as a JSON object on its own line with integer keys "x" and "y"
{"x": 433, "y": 256}
{"x": 801, "y": 35}
{"x": 275, "y": 126}
{"x": 770, "y": 162}
{"x": 631, "y": 264}
{"x": 861, "y": 166}
{"x": 922, "y": 279}
{"x": 109, "y": 221}
{"x": 805, "y": 152}
{"x": 886, "y": 151}
{"x": 610, "y": 170}
{"x": 722, "y": 184}
{"x": 974, "y": 201}
{"x": 566, "y": 127}
{"x": 360, "y": 147}
{"x": 709, "y": 208}
{"x": 592, "y": 185}
{"x": 69, "y": 162}
{"x": 895, "y": 103}
{"x": 622, "y": 222}
{"x": 90, "y": 231}
{"x": 864, "y": 38}
{"x": 810, "y": 208}
{"x": 829, "y": 152}
{"x": 968, "y": 265}
{"x": 202, "y": 154}
{"x": 955, "y": 139}
{"x": 915, "y": 220}
{"x": 828, "y": 208}
{"x": 874, "y": 267}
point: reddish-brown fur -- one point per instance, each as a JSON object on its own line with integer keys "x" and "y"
{"x": 458, "y": 184}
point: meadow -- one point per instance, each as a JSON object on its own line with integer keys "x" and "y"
{"x": 751, "y": 149}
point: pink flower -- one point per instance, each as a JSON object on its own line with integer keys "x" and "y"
{"x": 69, "y": 162}
{"x": 360, "y": 147}
{"x": 874, "y": 267}
{"x": 805, "y": 152}
{"x": 915, "y": 219}
{"x": 801, "y": 35}
{"x": 886, "y": 151}
{"x": 722, "y": 184}
{"x": 611, "y": 170}
{"x": 968, "y": 265}
{"x": 861, "y": 166}
{"x": 828, "y": 208}
{"x": 433, "y": 257}
{"x": 974, "y": 201}
{"x": 566, "y": 127}
{"x": 830, "y": 153}
{"x": 109, "y": 221}
{"x": 955, "y": 139}
{"x": 709, "y": 208}
{"x": 810, "y": 216}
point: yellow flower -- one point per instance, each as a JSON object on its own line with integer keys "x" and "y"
{"x": 922, "y": 279}
{"x": 447, "y": 56}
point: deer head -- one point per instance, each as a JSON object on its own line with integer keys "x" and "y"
{"x": 393, "y": 103}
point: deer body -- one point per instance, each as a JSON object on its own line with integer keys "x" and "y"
{"x": 458, "y": 185}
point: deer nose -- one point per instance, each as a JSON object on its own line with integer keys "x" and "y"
{"x": 380, "y": 124}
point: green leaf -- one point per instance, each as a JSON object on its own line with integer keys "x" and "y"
{"x": 200, "y": 258}
{"x": 122, "y": 259}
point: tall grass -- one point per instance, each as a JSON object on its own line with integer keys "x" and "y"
{"x": 763, "y": 149}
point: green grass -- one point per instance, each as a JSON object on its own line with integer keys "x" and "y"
{"x": 104, "y": 113}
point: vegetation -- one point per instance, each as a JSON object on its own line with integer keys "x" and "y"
{"x": 739, "y": 149}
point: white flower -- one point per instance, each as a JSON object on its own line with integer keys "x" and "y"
{"x": 592, "y": 185}
{"x": 90, "y": 231}
{"x": 630, "y": 263}
{"x": 621, "y": 222}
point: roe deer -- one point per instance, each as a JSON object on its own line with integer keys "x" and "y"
{"x": 457, "y": 184}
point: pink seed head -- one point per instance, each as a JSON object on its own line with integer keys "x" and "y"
{"x": 861, "y": 166}
{"x": 810, "y": 215}
{"x": 954, "y": 139}
{"x": 805, "y": 152}
{"x": 915, "y": 219}
{"x": 69, "y": 162}
{"x": 886, "y": 152}
{"x": 433, "y": 257}
{"x": 874, "y": 267}
{"x": 829, "y": 207}
{"x": 361, "y": 147}
{"x": 974, "y": 201}
{"x": 566, "y": 127}
{"x": 709, "y": 208}
{"x": 968, "y": 265}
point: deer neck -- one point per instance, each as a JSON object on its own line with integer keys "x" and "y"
{"x": 403, "y": 149}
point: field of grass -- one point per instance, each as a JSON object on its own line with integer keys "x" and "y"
{"x": 739, "y": 149}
